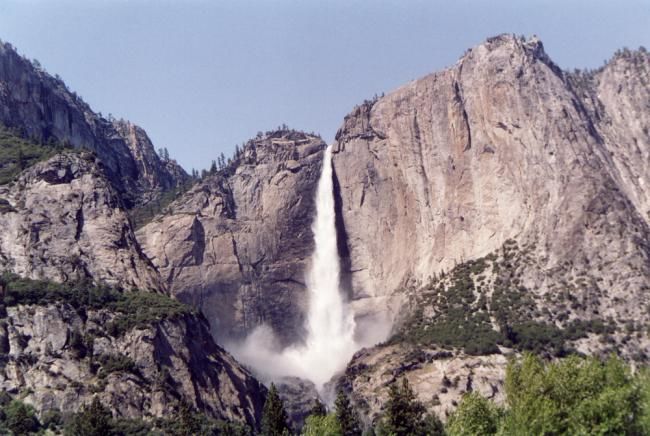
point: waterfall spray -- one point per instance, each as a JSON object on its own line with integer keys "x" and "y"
{"x": 330, "y": 323}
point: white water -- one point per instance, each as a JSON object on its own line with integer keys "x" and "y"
{"x": 330, "y": 323}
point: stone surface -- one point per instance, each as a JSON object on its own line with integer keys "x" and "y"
{"x": 237, "y": 245}
{"x": 298, "y": 397}
{"x": 499, "y": 146}
{"x": 174, "y": 360}
{"x": 439, "y": 378}
{"x": 67, "y": 222}
{"x": 502, "y": 146}
{"x": 42, "y": 107}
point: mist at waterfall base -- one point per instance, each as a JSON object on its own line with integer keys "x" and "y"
{"x": 330, "y": 325}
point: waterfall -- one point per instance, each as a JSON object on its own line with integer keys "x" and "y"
{"x": 330, "y": 323}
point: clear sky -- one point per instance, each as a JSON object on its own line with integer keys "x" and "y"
{"x": 201, "y": 76}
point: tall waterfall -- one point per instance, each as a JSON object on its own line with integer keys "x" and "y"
{"x": 330, "y": 324}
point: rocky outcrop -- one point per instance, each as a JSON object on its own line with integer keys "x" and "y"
{"x": 64, "y": 221}
{"x": 42, "y": 107}
{"x": 57, "y": 359}
{"x": 502, "y": 155}
{"x": 298, "y": 397}
{"x": 438, "y": 377}
{"x": 237, "y": 244}
{"x": 500, "y": 146}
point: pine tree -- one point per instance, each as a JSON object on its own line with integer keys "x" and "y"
{"x": 405, "y": 415}
{"x": 94, "y": 420}
{"x": 213, "y": 167}
{"x": 347, "y": 416}
{"x": 274, "y": 417}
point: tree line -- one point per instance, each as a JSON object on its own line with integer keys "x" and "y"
{"x": 574, "y": 395}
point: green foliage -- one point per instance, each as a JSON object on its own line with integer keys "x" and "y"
{"x": 571, "y": 396}
{"x": 461, "y": 319}
{"x": 274, "y": 417}
{"x": 475, "y": 415}
{"x": 346, "y": 416}
{"x": 141, "y": 309}
{"x": 322, "y": 425}
{"x": 111, "y": 363}
{"x": 141, "y": 215}
{"x": 52, "y": 419}
{"x": 456, "y": 310}
{"x": 80, "y": 295}
{"x": 643, "y": 381}
{"x": 405, "y": 415}
{"x": 20, "y": 418}
{"x": 136, "y": 309}
{"x": 17, "y": 153}
{"x": 93, "y": 420}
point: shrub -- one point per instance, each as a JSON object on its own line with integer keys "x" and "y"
{"x": 136, "y": 309}
{"x": 18, "y": 153}
{"x": 20, "y": 418}
{"x": 475, "y": 415}
{"x": 322, "y": 425}
{"x": 93, "y": 420}
{"x": 116, "y": 363}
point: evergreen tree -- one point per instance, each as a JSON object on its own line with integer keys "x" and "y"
{"x": 405, "y": 415}
{"x": 474, "y": 415}
{"x": 347, "y": 416}
{"x": 274, "y": 417}
{"x": 20, "y": 418}
{"x": 22, "y": 161}
{"x": 213, "y": 167}
{"x": 93, "y": 420}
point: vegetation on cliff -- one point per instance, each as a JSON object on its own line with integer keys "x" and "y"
{"x": 18, "y": 153}
{"x": 134, "y": 308}
{"x": 482, "y": 304}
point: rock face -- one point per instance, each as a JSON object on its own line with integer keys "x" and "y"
{"x": 238, "y": 243}
{"x": 144, "y": 373}
{"x": 503, "y": 145}
{"x": 42, "y": 107}
{"x": 506, "y": 156}
{"x": 64, "y": 221}
{"x": 437, "y": 377}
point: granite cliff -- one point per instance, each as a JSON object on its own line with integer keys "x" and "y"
{"x": 69, "y": 177}
{"x": 502, "y": 197}
{"x": 237, "y": 244}
{"x": 40, "y": 106}
{"x": 495, "y": 207}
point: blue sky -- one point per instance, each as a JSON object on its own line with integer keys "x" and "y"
{"x": 201, "y": 76}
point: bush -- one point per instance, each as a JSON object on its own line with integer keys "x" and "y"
{"x": 475, "y": 415}
{"x": 141, "y": 309}
{"x": 93, "y": 420}
{"x": 20, "y": 418}
{"x": 136, "y": 309}
{"x": 116, "y": 363}
{"x": 18, "y": 153}
{"x": 322, "y": 425}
